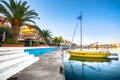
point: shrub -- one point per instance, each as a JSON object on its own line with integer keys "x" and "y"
{"x": 9, "y": 41}
{"x": 21, "y": 42}
{"x": 7, "y": 31}
{"x": 36, "y": 43}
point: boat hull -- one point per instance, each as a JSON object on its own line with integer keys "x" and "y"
{"x": 89, "y": 54}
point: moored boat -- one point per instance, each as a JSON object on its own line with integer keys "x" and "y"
{"x": 94, "y": 54}
{"x": 86, "y": 53}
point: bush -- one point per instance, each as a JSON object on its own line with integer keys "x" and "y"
{"x": 9, "y": 41}
{"x": 7, "y": 31}
{"x": 36, "y": 43}
{"x": 21, "y": 42}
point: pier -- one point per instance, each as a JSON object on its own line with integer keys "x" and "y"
{"x": 48, "y": 67}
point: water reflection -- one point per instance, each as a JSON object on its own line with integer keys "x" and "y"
{"x": 77, "y": 68}
{"x": 91, "y": 59}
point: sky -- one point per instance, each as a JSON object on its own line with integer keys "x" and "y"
{"x": 100, "y": 20}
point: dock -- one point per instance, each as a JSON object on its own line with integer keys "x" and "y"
{"x": 50, "y": 66}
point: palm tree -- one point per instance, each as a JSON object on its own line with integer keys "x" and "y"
{"x": 55, "y": 40}
{"x": 18, "y": 14}
{"x": 58, "y": 40}
{"x": 46, "y": 35}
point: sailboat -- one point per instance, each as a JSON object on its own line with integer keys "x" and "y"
{"x": 86, "y": 53}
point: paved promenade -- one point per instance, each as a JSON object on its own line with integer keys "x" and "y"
{"x": 49, "y": 67}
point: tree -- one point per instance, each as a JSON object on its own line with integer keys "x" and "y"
{"x": 55, "y": 40}
{"x": 58, "y": 40}
{"x": 7, "y": 30}
{"x": 18, "y": 14}
{"x": 45, "y": 35}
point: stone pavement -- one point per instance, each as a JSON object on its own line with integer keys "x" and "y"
{"x": 49, "y": 67}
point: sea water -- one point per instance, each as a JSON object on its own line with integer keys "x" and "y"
{"x": 87, "y": 69}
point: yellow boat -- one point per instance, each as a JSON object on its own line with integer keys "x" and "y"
{"x": 93, "y": 54}
{"x": 83, "y": 53}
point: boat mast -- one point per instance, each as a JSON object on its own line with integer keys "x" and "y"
{"x": 81, "y": 30}
{"x": 74, "y": 33}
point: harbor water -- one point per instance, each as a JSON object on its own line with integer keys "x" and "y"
{"x": 92, "y": 69}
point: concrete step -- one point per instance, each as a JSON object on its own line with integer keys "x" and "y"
{"x": 14, "y": 61}
{"x": 10, "y": 52}
{"x": 11, "y": 48}
{"x": 10, "y": 56}
{"x": 13, "y": 69}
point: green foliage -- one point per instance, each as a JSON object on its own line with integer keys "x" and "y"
{"x": 9, "y": 41}
{"x": 46, "y": 36}
{"x": 36, "y": 43}
{"x": 7, "y": 31}
{"x": 21, "y": 42}
{"x": 58, "y": 40}
{"x": 55, "y": 40}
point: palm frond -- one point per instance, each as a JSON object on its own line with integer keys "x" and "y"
{"x": 4, "y": 11}
{"x": 18, "y": 11}
{"x": 30, "y": 21}
{"x": 12, "y": 5}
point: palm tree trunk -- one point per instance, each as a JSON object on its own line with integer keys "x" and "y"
{"x": 42, "y": 39}
{"x": 15, "y": 33}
